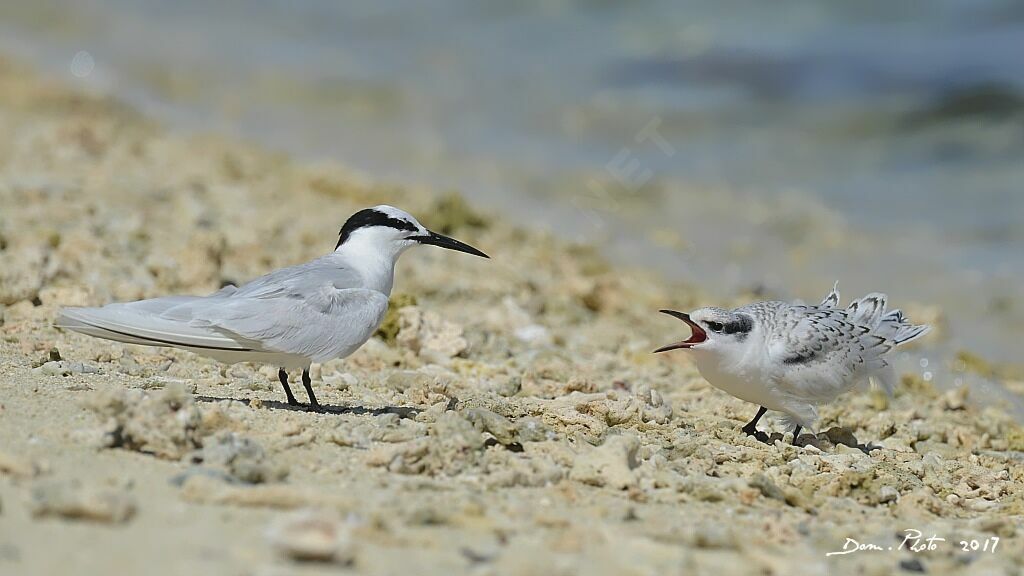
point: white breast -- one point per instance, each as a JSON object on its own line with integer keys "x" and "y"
{"x": 741, "y": 378}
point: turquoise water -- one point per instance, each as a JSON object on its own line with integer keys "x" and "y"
{"x": 738, "y": 145}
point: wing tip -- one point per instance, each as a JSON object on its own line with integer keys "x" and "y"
{"x": 94, "y": 322}
{"x": 912, "y": 333}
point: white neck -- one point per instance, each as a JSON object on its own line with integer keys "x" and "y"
{"x": 373, "y": 260}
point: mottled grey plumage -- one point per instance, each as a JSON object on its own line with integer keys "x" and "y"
{"x": 794, "y": 356}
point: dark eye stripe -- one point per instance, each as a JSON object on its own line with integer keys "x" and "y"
{"x": 742, "y": 324}
{"x": 370, "y": 217}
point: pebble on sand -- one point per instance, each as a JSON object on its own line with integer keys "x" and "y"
{"x": 611, "y": 464}
{"x": 311, "y": 536}
{"x": 72, "y": 500}
{"x": 165, "y": 423}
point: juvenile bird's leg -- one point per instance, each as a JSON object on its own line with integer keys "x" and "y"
{"x": 309, "y": 388}
{"x": 796, "y": 433}
{"x": 751, "y": 428}
{"x": 283, "y": 377}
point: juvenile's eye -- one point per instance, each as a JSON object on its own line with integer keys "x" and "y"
{"x": 715, "y": 326}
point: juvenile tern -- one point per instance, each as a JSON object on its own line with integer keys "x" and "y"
{"x": 326, "y": 308}
{"x": 790, "y": 357}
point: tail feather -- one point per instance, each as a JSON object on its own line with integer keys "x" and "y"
{"x": 868, "y": 311}
{"x": 908, "y": 333}
{"x": 135, "y": 323}
{"x": 894, "y": 316}
{"x": 832, "y": 300}
{"x": 894, "y": 326}
{"x": 68, "y": 323}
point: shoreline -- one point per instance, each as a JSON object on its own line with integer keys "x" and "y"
{"x": 512, "y": 421}
{"x": 729, "y": 238}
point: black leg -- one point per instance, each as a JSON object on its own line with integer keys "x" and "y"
{"x": 796, "y": 433}
{"x": 283, "y": 377}
{"x": 751, "y": 428}
{"x": 309, "y": 389}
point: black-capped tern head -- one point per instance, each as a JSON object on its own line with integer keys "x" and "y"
{"x": 389, "y": 230}
{"x": 713, "y": 330}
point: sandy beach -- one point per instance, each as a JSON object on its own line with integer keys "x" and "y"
{"x": 508, "y": 419}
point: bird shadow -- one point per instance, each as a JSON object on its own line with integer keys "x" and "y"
{"x": 825, "y": 441}
{"x": 402, "y": 411}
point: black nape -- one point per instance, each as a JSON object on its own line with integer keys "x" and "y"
{"x": 371, "y": 217}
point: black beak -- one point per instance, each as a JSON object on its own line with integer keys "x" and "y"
{"x": 435, "y": 239}
{"x": 698, "y": 335}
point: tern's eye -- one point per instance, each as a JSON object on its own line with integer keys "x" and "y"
{"x": 715, "y": 326}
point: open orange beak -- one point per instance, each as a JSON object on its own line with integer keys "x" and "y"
{"x": 698, "y": 335}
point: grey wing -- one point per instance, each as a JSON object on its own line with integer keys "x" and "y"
{"x": 822, "y": 352}
{"x": 317, "y": 310}
{"x": 298, "y": 279}
{"x": 320, "y": 323}
{"x": 154, "y": 322}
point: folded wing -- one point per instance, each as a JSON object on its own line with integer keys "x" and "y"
{"x": 319, "y": 324}
{"x": 829, "y": 348}
{"x": 152, "y": 323}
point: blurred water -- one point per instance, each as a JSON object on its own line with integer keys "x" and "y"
{"x": 738, "y": 144}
